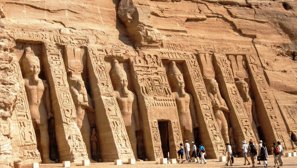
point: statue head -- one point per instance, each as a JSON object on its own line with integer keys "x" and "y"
{"x": 214, "y": 85}
{"x": 118, "y": 75}
{"x": 31, "y": 63}
{"x": 243, "y": 89}
{"x": 176, "y": 76}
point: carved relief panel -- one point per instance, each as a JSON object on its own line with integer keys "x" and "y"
{"x": 266, "y": 105}
{"x": 238, "y": 114}
{"x": 64, "y": 110}
{"x": 156, "y": 102}
{"x": 109, "y": 121}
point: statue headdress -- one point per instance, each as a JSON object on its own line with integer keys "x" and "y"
{"x": 173, "y": 70}
{"x": 74, "y": 59}
{"x": 117, "y": 72}
{"x": 29, "y": 57}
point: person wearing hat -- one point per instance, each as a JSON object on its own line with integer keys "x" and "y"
{"x": 194, "y": 151}
{"x": 245, "y": 147}
{"x": 229, "y": 154}
{"x": 260, "y": 146}
{"x": 187, "y": 148}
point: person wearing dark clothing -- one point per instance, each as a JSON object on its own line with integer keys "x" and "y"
{"x": 264, "y": 154}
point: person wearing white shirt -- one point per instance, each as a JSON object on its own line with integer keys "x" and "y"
{"x": 187, "y": 148}
{"x": 194, "y": 151}
{"x": 229, "y": 154}
{"x": 245, "y": 147}
{"x": 281, "y": 152}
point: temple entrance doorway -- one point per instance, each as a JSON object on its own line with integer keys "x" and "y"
{"x": 164, "y": 134}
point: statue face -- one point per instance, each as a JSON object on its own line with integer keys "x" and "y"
{"x": 180, "y": 81}
{"x": 32, "y": 66}
{"x": 123, "y": 82}
{"x": 214, "y": 87}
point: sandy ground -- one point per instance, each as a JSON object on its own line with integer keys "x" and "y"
{"x": 238, "y": 163}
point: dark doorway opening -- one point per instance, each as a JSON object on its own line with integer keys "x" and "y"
{"x": 164, "y": 134}
{"x": 261, "y": 135}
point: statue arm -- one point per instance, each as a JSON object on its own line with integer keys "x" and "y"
{"x": 193, "y": 112}
{"x": 48, "y": 100}
{"x": 223, "y": 105}
{"x": 136, "y": 113}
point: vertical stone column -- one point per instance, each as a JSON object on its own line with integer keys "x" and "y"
{"x": 270, "y": 117}
{"x": 17, "y": 135}
{"x": 113, "y": 137}
{"x": 71, "y": 146}
{"x": 238, "y": 115}
{"x": 26, "y": 148}
{"x": 209, "y": 131}
{"x": 156, "y": 104}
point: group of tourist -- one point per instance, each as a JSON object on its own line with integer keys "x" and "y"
{"x": 262, "y": 152}
{"x": 197, "y": 153}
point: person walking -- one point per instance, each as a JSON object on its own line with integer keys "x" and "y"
{"x": 194, "y": 151}
{"x": 181, "y": 152}
{"x": 229, "y": 154}
{"x": 275, "y": 152}
{"x": 281, "y": 152}
{"x": 245, "y": 152}
{"x": 252, "y": 151}
{"x": 202, "y": 153}
{"x": 187, "y": 149}
{"x": 264, "y": 154}
{"x": 259, "y": 148}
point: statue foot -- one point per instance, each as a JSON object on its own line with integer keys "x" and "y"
{"x": 48, "y": 161}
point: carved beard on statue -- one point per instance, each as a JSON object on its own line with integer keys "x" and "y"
{"x": 119, "y": 76}
{"x": 177, "y": 78}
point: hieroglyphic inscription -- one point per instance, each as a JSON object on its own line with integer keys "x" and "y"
{"x": 112, "y": 110}
{"x": 235, "y": 102}
{"x": 269, "y": 104}
{"x": 153, "y": 89}
{"x": 206, "y": 116}
{"x": 67, "y": 113}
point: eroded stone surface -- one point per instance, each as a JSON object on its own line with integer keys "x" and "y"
{"x": 125, "y": 79}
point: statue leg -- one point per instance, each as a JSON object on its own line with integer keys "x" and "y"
{"x": 132, "y": 138}
{"x": 86, "y": 134}
{"x": 225, "y": 131}
{"x": 44, "y": 140}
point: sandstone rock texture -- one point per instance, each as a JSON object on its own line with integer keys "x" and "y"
{"x": 103, "y": 80}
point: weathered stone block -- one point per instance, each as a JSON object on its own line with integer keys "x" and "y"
{"x": 163, "y": 160}
{"x": 223, "y": 159}
{"x": 289, "y": 154}
{"x": 66, "y": 164}
{"x": 173, "y": 161}
{"x": 132, "y": 161}
{"x": 35, "y": 165}
{"x": 118, "y": 162}
{"x": 86, "y": 162}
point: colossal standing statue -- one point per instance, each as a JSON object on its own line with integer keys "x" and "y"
{"x": 184, "y": 102}
{"x": 248, "y": 103}
{"x": 39, "y": 101}
{"x": 219, "y": 107}
{"x": 127, "y": 101}
{"x": 81, "y": 100}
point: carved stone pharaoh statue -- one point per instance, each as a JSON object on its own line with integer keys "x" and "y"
{"x": 184, "y": 101}
{"x": 127, "y": 101}
{"x": 219, "y": 107}
{"x": 39, "y": 101}
{"x": 248, "y": 103}
{"x": 81, "y": 100}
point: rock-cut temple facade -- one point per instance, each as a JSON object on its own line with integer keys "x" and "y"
{"x": 102, "y": 80}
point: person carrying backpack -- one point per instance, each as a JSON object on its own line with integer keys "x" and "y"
{"x": 253, "y": 152}
{"x": 275, "y": 152}
{"x": 259, "y": 148}
{"x": 202, "y": 153}
{"x": 181, "y": 152}
{"x": 281, "y": 152}
{"x": 264, "y": 154}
